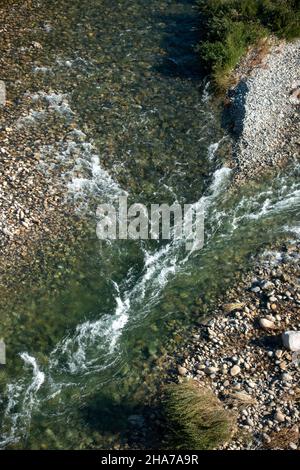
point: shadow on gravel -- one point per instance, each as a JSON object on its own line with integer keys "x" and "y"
{"x": 235, "y": 110}
{"x": 268, "y": 342}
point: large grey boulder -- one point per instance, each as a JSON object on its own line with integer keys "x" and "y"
{"x": 2, "y": 93}
{"x": 2, "y": 353}
{"x": 291, "y": 340}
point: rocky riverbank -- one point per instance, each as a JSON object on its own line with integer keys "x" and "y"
{"x": 240, "y": 350}
{"x": 32, "y": 202}
{"x": 262, "y": 110}
{"x": 36, "y": 217}
{"x": 239, "y": 353}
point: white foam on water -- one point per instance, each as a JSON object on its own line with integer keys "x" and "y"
{"x": 85, "y": 177}
{"x": 205, "y": 94}
{"x": 276, "y": 257}
{"x": 41, "y": 69}
{"x": 30, "y": 119}
{"x": 37, "y": 382}
{"x": 95, "y": 345}
{"x": 57, "y": 102}
{"x": 294, "y": 229}
{"x": 70, "y": 63}
{"x": 21, "y": 399}
{"x": 98, "y": 183}
{"x": 281, "y": 198}
{"x": 213, "y": 148}
{"x": 220, "y": 178}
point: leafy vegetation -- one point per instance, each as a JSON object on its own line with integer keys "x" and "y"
{"x": 197, "y": 419}
{"x": 229, "y": 27}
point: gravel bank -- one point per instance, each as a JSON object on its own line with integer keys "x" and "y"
{"x": 238, "y": 351}
{"x": 33, "y": 206}
{"x": 263, "y": 109}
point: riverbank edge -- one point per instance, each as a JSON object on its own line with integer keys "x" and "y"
{"x": 236, "y": 351}
{"x": 249, "y": 303}
{"x": 261, "y": 109}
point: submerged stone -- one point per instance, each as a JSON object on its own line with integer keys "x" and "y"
{"x": 2, "y": 93}
{"x": 2, "y": 353}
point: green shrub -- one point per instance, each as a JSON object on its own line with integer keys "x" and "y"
{"x": 229, "y": 27}
{"x": 196, "y": 417}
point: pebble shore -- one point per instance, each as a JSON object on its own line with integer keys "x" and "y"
{"x": 263, "y": 109}
{"x": 239, "y": 352}
{"x": 34, "y": 211}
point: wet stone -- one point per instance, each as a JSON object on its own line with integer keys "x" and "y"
{"x": 2, "y": 93}
{"x": 2, "y": 353}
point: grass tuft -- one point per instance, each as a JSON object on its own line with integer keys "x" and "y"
{"x": 196, "y": 417}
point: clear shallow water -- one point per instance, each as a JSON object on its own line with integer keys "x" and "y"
{"x": 123, "y": 73}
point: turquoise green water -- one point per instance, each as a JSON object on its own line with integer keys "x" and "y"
{"x": 83, "y": 343}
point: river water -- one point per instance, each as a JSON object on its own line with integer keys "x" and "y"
{"x": 83, "y": 352}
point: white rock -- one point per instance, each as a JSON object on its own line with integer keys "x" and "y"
{"x": 37, "y": 45}
{"x": 279, "y": 416}
{"x": 251, "y": 384}
{"x": 266, "y": 324}
{"x": 291, "y": 340}
{"x": 278, "y": 353}
{"x": 182, "y": 370}
{"x": 235, "y": 370}
{"x": 287, "y": 377}
{"x": 267, "y": 285}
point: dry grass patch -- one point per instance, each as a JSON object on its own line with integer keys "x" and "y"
{"x": 284, "y": 438}
{"x": 240, "y": 399}
{"x": 295, "y": 398}
{"x": 197, "y": 419}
